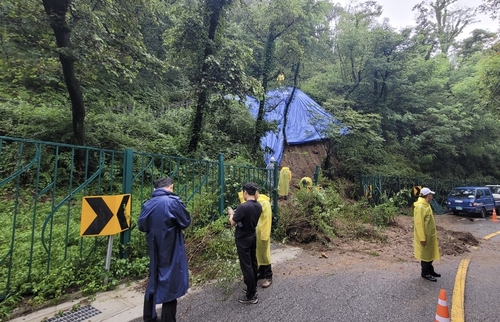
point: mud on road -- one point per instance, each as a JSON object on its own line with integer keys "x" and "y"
{"x": 397, "y": 246}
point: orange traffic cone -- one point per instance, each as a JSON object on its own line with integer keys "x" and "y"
{"x": 494, "y": 215}
{"x": 442, "y": 312}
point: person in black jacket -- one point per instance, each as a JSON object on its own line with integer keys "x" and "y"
{"x": 245, "y": 218}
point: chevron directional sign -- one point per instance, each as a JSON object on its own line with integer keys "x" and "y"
{"x": 105, "y": 215}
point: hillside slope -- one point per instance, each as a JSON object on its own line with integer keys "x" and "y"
{"x": 302, "y": 159}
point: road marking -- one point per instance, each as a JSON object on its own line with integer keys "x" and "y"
{"x": 491, "y": 235}
{"x": 457, "y": 304}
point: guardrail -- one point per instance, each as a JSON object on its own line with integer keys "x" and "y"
{"x": 42, "y": 185}
{"x": 376, "y": 186}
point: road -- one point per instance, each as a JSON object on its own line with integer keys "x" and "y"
{"x": 351, "y": 286}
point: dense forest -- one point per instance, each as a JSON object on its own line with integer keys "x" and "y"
{"x": 158, "y": 76}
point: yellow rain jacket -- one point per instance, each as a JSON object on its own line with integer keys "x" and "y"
{"x": 424, "y": 229}
{"x": 284, "y": 181}
{"x": 263, "y": 230}
{"x": 306, "y": 183}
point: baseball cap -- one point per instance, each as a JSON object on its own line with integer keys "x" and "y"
{"x": 426, "y": 191}
{"x": 272, "y": 159}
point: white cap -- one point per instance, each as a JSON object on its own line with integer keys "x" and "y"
{"x": 426, "y": 191}
{"x": 272, "y": 159}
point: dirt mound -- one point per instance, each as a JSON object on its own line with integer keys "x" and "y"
{"x": 455, "y": 242}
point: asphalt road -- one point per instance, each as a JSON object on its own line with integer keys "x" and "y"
{"x": 368, "y": 289}
{"x": 482, "y": 287}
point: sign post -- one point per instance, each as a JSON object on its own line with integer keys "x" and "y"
{"x": 108, "y": 258}
{"x": 105, "y": 216}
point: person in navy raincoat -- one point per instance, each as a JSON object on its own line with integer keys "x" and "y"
{"x": 162, "y": 218}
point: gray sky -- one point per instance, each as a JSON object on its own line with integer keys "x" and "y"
{"x": 400, "y": 14}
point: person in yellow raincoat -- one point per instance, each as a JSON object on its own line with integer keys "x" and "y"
{"x": 284, "y": 182}
{"x": 263, "y": 234}
{"x": 425, "y": 241}
{"x": 306, "y": 183}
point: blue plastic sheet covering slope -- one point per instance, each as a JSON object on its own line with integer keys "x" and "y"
{"x": 306, "y": 120}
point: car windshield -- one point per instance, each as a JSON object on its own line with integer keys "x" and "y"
{"x": 462, "y": 193}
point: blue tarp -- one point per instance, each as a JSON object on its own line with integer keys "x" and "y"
{"x": 306, "y": 120}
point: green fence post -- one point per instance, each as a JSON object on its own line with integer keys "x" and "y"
{"x": 221, "y": 184}
{"x": 316, "y": 175}
{"x": 128, "y": 176}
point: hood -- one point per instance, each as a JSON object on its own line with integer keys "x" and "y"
{"x": 263, "y": 197}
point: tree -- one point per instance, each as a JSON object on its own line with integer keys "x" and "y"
{"x": 214, "y": 63}
{"x": 96, "y": 41}
{"x": 478, "y": 41}
{"x": 352, "y": 153}
{"x": 281, "y": 31}
{"x": 442, "y": 21}
{"x": 214, "y": 10}
{"x": 353, "y": 41}
{"x": 489, "y": 78}
{"x": 491, "y": 6}
{"x": 57, "y": 10}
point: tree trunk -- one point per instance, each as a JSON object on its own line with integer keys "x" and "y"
{"x": 289, "y": 101}
{"x": 214, "y": 9}
{"x": 56, "y": 10}
{"x": 266, "y": 70}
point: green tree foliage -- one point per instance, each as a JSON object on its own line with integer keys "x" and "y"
{"x": 422, "y": 99}
{"x": 359, "y": 151}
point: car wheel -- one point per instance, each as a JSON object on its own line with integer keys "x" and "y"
{"x": 456, "y": 213}
{"x": 483, "y": 213}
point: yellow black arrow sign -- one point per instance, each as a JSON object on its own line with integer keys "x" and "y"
{"x": 105, "y": 215}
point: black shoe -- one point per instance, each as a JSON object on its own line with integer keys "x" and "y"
{"x": 435, "y": 274}
{"x": 246, "y": 300}
{"x": 430, "y": 278}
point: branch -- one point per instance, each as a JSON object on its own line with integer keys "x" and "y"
{"x": 74, "y": 18}
{"x": 255, "y": 33}
{"x": 284, "y": 29}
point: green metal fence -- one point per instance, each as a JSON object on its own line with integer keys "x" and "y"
{"x": 42, "y": 185}
{"x": 376, "y": 186}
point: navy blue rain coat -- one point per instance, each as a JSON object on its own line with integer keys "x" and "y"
{"x": 162, "y": 219}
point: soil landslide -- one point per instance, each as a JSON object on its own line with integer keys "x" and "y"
{"x": 302, "y": 159}
{"x": 397, "y": 246}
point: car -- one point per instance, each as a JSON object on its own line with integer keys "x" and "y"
{"x": 495, "y": 189}
{"x": 471, "y": 200}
